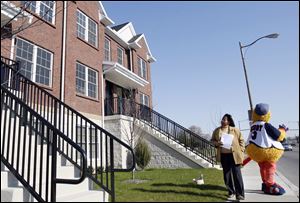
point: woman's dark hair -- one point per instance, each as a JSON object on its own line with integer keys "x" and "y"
{"x": 229, "y": 118}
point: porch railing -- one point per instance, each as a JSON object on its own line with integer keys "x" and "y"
{"x": 172, "y": 130}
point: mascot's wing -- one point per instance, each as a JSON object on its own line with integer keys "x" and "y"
{"x": 274, "y": 133}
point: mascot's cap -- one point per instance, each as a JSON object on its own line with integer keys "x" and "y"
{"x": 261, "y": 109}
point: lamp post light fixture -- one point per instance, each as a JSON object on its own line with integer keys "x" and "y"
{"x": 272, "y": 36}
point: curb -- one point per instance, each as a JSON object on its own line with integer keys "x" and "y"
{"x": 293, "y": 187}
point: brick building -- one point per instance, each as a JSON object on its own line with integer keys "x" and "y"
{"x": 74, "y": 50}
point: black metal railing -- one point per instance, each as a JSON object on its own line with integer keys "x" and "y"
{"x": 191, "y": 141}
{"x": 98, "y": 144}
{"x": 23, "y": 151}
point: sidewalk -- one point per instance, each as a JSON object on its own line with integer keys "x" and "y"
{"x": 252, "y": 184}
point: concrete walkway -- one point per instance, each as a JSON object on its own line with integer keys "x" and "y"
{"x": 252, "y": 184}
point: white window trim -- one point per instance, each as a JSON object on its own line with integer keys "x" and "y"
{"x": 89, "y": 142}
{"x": 122, "y": 50}
{"x": 86, "y": 79}
{"x": 86, "y": 31}
{"x": 109, "y": 49}
{"x": 38, "y": 8}
{"x": 34, "y": 61}
{"x": 141, "y": 68}
{"x": 87, "y": 82}
{"x": 143, "y": 99}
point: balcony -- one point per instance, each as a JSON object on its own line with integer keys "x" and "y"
{"x": 118, "y": 74}
{"x": 127, "y": 107}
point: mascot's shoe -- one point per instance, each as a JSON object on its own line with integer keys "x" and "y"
{"x": 274, "y": 189}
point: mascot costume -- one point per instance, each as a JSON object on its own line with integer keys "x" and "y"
{"x": 264, "y": 146}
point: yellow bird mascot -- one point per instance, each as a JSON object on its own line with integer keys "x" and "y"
{"x": 264, "y": 146}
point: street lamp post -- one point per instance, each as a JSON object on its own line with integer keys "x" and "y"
{"x": 275, "y": 35}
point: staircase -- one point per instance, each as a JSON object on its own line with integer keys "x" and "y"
{"x": 173, "y": 135}
{"x": 49, "y": 151}
{"x": 187, "y": 153}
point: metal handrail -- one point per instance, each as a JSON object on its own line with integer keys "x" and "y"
{"x": 170, "y": 128}
{"x": 58, "y": 114}
{"x": 17, "y": 102}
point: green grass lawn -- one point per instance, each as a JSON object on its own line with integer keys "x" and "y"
{"x": 171, "y": 185}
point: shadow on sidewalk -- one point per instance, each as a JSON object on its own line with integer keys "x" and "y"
{"x": 255, "y": 191}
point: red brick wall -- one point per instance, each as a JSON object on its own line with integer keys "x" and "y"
{"x": 44, "y": 35}
{"x": 114, "y": 52}
{"x": 49, "y": 37}
{"x": 142, "y": 53}
{"x": 78, "y": 50}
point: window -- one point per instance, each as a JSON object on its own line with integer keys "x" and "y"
{"x": 120, "y": 56}
{"x": 86, "y": 81}
{"x": 92, "y": 83}
{"x": 86, "y": 28}
{"x": 144, "y": 99}
{"x": 106, "y": 50}
{"x": 30, "y": 5}
{"x": 24, "y": 54}
{"x": 92, "y": 33}
{"x": 35, "y": 62}
{"x": 81, "y": 25}
{"x": 43, "y": 67}
{"x": 142, "y": 68}
{"x": 45, "y": 9}
{"x": 87, "y": 135}
{"x": 80, "y": 78}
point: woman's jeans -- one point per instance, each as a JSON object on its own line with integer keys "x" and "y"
{"x": 232, "y": 175}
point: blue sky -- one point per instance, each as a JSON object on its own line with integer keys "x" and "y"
{"x": 199, "y": 76}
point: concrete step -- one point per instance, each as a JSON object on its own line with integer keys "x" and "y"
{"x": 87, "y": 196}
{"x": 8, "y": 179}
{"x": 15, "y": 194}
{"x": 63, "y": 192}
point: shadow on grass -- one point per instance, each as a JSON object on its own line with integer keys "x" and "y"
{"x": 204, "y": 190}
{"x": 191, "y": 185}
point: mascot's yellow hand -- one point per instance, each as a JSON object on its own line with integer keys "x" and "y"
{"x": 282, "y": 134}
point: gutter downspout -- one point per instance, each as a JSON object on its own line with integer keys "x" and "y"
{"x": 103, "y": 99}
{"x": 63, "y": 54}
{"x": 135, "y": 92}
{"x": 130, "y": 57}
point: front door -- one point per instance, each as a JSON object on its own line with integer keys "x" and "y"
{"x": 109, "y": 99}
{"x": 120, "y": 100}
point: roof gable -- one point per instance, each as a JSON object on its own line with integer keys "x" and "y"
{"x": 103, "y": 17}
{"x": 119, "y": 27}
{"x": 126, "y": 31}
{"x": 150, "y": 57}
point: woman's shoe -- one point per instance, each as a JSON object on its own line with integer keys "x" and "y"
{"x": 230, "y": 197}
{"x": 240, "y": 197}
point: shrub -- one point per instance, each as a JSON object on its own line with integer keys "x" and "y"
{"x": 100, "y": 170}
{"x": 142, "y": 154}
{"x": 90, "y": 170}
